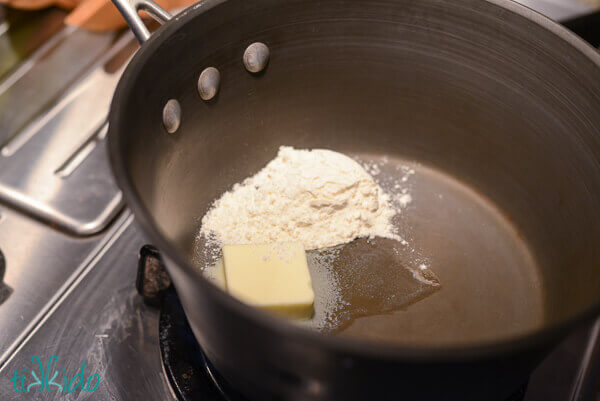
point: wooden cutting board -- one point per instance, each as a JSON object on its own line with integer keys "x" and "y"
{"x": 102, "y": 15}
{"x": 95, "y": 15}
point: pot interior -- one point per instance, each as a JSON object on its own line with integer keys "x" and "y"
{"x": 497, "y": 115}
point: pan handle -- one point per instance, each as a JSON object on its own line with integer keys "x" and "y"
{"x": 129, "y": 10}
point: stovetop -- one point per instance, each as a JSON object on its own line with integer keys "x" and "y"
{"x": 69, "y": 246}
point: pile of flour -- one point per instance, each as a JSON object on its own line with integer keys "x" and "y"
{"x": 317, "y": 197}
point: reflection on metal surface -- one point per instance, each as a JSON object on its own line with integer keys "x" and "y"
{"x": 103, "y": 322}
{"x": 82, "y": 153}
{"x": 208, "y": 83}
{"x": 587, "y": 384}
{"x": 23, "y": 32}
{"x": 256, "y": 57}
{"x": 558, "y": 10}
{"x": 56, "y": 168}
{"x": 40, "y": 265}
{"x": 171, "y": 116}
{"x": 30, "y": 63}
{"x": 40, "y": 80}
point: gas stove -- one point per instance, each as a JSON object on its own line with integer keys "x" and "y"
{"x": 72, "y": 321}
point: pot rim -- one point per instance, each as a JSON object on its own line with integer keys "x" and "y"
{"x": 541, "y": 337}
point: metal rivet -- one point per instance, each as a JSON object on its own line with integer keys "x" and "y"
{"x": 256, "y": 57}
{"x": 208, "y": 83}
{"x": 172, "y": 116}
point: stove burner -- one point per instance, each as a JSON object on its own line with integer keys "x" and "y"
{"x": 190, "y": 373}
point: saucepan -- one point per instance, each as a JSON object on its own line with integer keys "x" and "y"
{"x": 496, "y": 108}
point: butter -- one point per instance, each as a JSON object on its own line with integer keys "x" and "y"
{"x": 273, "y": 277}
{"x": 216, "y": 274}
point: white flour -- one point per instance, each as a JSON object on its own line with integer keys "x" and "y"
{"x": 320, "y": 198}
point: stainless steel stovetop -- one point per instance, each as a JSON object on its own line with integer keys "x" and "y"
{"x": 70, "y": 245}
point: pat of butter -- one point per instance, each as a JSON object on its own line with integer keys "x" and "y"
{"x": 216, "y": 274}
{"x": 273, "y": 277}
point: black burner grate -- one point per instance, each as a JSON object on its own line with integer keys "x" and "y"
{"x": 191, "y": 375}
